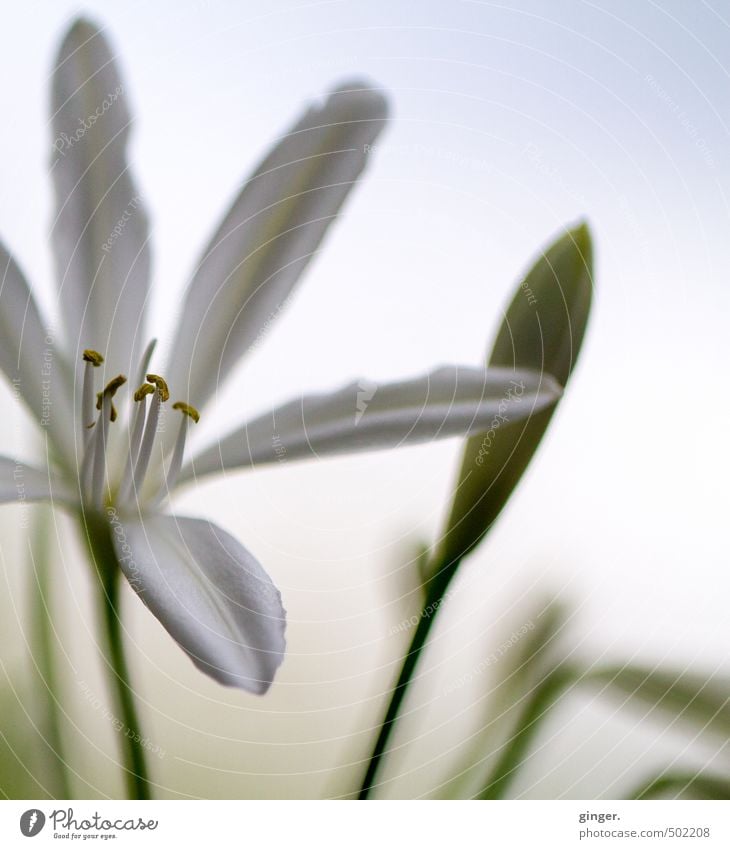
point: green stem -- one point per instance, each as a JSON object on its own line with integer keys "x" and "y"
{"x": 44, "y": 654}
{"x": 98, "y": 535}
{"x": 436, "y": 592}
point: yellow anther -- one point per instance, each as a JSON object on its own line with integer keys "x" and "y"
{"x": 187, "y": 409}
{"x": 110, "y": 390}
{"x": 113, "y": 409}
{"x": 93, "y": 357}
{"x": 114, "y": 384}
{"x": 161, "y": 385}
{"x": 144, "y": 389}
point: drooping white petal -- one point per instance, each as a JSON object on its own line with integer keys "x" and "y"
{"x": 209, "y": 593}
{"x": 29, "y": 356}
{"x": 364, "y": 416}
{"x": 20, "y": 482}
{"x": 268, "y": 237}
{"x": 100, "y": 230}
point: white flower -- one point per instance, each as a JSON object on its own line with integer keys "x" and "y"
{"x": 115, "y": 470}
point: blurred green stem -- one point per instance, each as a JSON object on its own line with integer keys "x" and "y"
{"x": 700, "y": 786}
{"x": 44, "y": 655}
{"x": 98, "y": 535}
{"x": 436, "y": 593}
{"x": 535, "y": 709}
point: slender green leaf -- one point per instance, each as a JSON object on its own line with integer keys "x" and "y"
{"x": 542, "y": 329}
{"x": 47, "y": 700}
{"x": 21, "y": 744}
{"x": 704, "y": 702}
{"x": 536, "y": 709}
{"x": 534, "y": 655}
{"x": 32, "y": 762}
{"x": 518, "y": 670}
{"x": 684, "y": 786}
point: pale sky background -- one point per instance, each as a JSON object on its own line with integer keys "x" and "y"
{"x": 509, "y": 121}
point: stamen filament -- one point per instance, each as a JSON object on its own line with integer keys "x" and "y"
{"x": 86, "y": 465}
{"x": 98, "y": 448}
{"x": 178, "y": 452}
{"x": 145, "y": 450}
{"x": 135, "y": 439}
{"x": 100, "y": 440}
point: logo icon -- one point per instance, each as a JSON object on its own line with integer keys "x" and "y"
{"x": 32, "y": 822}
{"x": 365, "y": 394}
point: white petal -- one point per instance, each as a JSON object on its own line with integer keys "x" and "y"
{"x": 365, "y": 416}
{"x": 269, "y": 236}
{"x": 209, "y": 593}
{"x": 19, "y": 482}
{"x": 29, "y": 357}
{"x": 100, "y": 231}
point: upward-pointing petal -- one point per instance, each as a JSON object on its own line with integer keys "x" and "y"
{"x": 209, "y": 593}
{"x": 29, "y": 358}
{"x": 270, "y": 234}
{"x": 100, "y": 231}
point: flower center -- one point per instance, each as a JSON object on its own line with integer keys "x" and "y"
{"x": 142, "y": 425}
